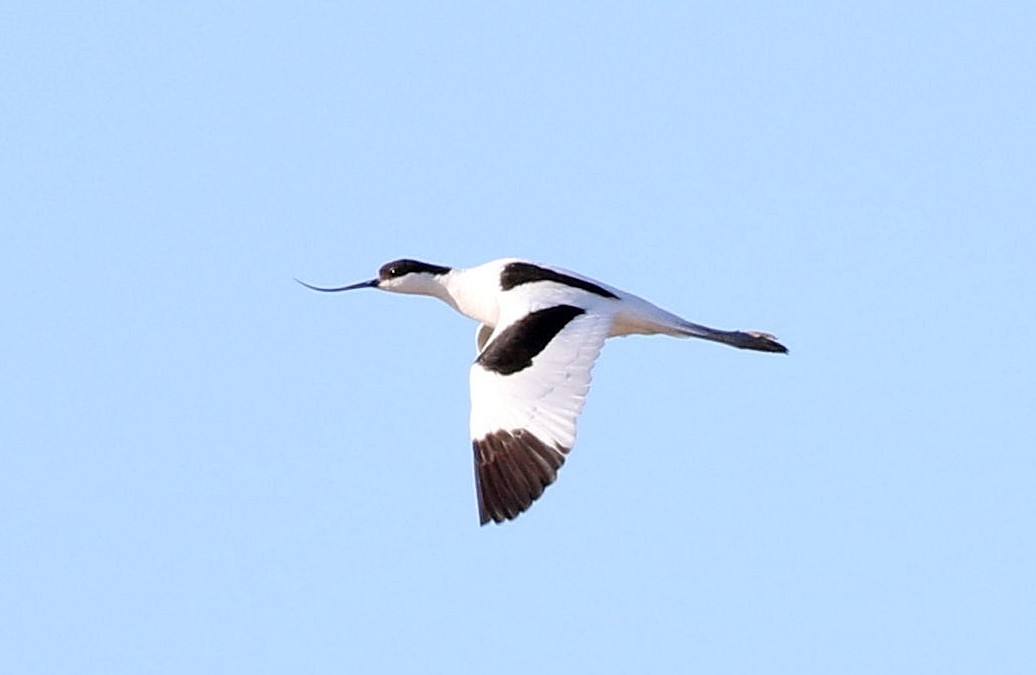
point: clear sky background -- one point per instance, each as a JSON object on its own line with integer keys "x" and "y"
{"x": 206, "y": 468}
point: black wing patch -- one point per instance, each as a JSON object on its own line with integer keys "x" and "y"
{"x": 515, "y": 348}
{"x": 518, "y": 273}
{"x": 512, "y": 468}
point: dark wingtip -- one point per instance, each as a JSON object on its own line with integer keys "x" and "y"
{"x": 512, "y": 469}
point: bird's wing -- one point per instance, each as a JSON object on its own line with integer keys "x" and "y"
{"x": 482, "y": 334}
{"x": 527, "y": 389}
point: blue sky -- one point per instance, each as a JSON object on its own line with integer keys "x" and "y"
{"x": 207, "y": 468}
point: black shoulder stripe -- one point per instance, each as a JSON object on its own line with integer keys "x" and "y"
{"x": 518, "y": 273}
{"x": 515, "y": 348}
{"x": 512, "y": 468}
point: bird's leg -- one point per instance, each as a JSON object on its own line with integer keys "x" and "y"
{"x": 755, "y": 340}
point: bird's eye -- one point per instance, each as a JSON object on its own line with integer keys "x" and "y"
{"x": 393, "y": 271}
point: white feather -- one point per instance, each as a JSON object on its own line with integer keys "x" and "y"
{"x": 546, "y": 397}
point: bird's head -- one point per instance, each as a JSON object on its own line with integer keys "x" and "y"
{"x": 400, "y": 276}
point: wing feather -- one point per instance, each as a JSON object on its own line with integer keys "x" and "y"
{"x": 524, "y": 404}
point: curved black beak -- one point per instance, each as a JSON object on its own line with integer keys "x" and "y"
{"x": 373, "y": 283}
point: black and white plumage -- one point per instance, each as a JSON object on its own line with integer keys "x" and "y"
{"x": 540, "y": 331}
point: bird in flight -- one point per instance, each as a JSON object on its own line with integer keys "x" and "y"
{"x": 540, "y": 331}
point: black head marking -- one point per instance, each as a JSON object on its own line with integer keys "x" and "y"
{"x": 405, "y": 266}
{"x": 518, "y": 273}
{"x": 512, "y": 468}
{"x": 515, "y": 348}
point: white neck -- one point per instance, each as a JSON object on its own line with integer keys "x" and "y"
{"x": 472, "y": 292}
